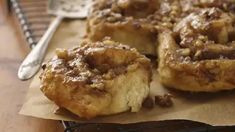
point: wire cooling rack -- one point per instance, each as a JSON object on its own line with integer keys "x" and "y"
{"x": 33, "y": 20}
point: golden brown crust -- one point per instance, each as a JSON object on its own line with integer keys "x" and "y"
{"x": 199, "y": 55}
{"x": 189, "y": 6}
{"x": 132, "y": 22}
{"x": 97, "y": 79}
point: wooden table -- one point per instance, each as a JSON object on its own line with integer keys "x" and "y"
{"x": 13, "y": 91}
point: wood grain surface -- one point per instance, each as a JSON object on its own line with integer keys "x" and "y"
{"x": 13, "y": 91}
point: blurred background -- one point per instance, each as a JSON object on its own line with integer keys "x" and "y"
{"x": 13, "y": 48}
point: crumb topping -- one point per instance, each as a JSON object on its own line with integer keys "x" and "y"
{"x": 207, "y": 34}
{"x": 153, "y": 12}
{"x": 91, "y": 64}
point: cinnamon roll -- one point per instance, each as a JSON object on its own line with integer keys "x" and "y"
{"x": 96, "y": 79}
{"x": 199, "y": 54}
{"x": 132, "y": 22}
{"x": 189, "y": 6}
{"x": 225, "y": 5}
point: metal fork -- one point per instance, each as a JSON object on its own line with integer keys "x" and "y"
{"x": 61, "y": 9}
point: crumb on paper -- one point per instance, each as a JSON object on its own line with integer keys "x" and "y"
{"x": 164, "y": 100}
{"x": 148, "y": 103}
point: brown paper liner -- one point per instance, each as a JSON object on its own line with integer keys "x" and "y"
{"x": 211, "y": 108}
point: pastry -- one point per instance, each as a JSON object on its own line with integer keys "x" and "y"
{"x": 100, "y": 78}
{"x": 198, "y": 55}
{"x": 132, "y": 22}
{"x": 192, "y": 5}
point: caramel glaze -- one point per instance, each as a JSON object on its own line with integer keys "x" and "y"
{"x": 149, "y": 14}
{"x": 91, "y": 64}
{"x": 207, "y": 33}
{"x": 138, "y": 9}
{"x": 87, "y": 80}
{"x": 205, "y": 28}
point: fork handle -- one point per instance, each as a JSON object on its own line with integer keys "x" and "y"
{"x": 32, "y": 62}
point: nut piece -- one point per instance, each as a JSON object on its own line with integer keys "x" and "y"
{"x": 164, "y": 101}
{"x": 111, "y": 19}
{"x": 44, "y": 66}
{"x": 198, "y": 53}
{"x": 184, "y": 52}
{"x": 108, "y": 42}
{"x": 62, "y": 53}
{"x": 123, "y": 3}
{"x": 148, "y": 103}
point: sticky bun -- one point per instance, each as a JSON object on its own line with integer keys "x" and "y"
{"x": 198, "y": 55}
{"x": 132, "y": 22}
{"x": 100, "y": 78}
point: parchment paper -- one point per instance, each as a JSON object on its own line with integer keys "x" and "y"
{"x": 211, "y": 108}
